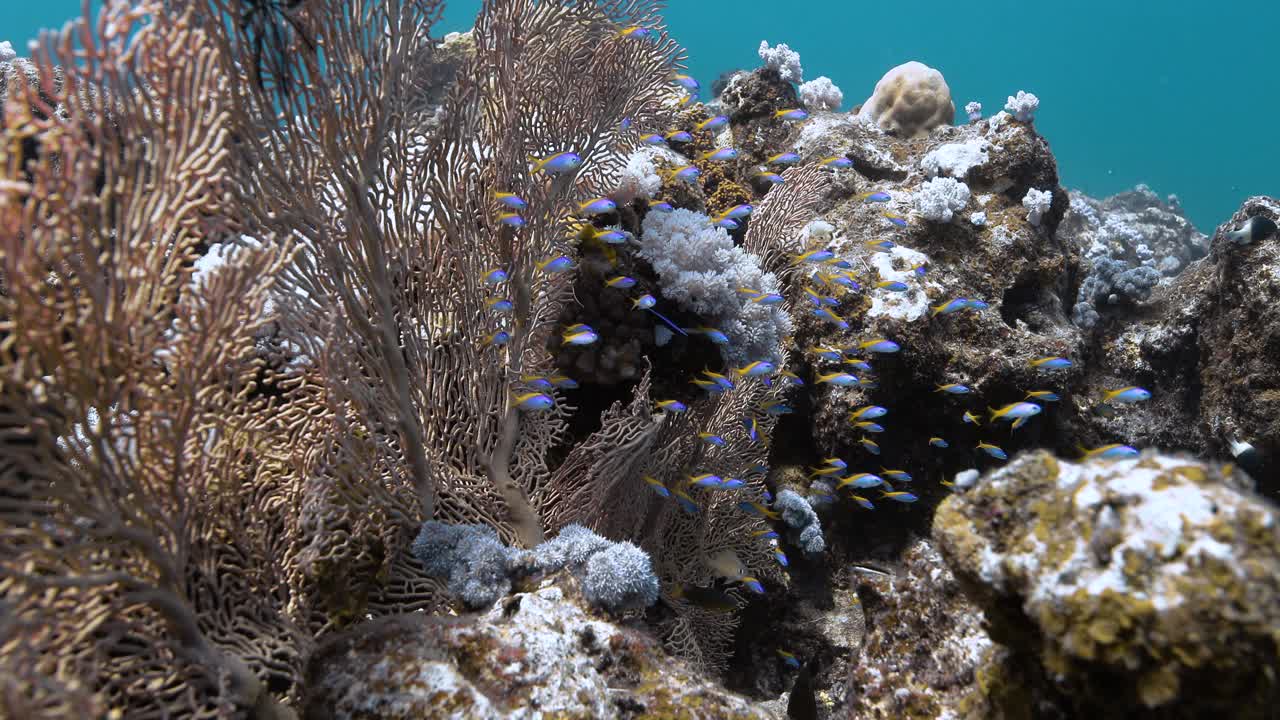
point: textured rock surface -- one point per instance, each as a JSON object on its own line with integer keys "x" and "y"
{"x": 910, "y": 99}
{"x": 926, "y": 645}
{"x": 534, "y": 655}
{"x": 1139, "y": 588}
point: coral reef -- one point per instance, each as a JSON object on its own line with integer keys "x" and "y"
{"x": 939, "y": 199}
{"x": 910, "y": 99}
{"x": 1142, "y": 585}
{"x": 536, "y": 655}
{"x": 821, "y": 94}
{"x": 1023, "y": 106}
{"x": 782, "y": 60}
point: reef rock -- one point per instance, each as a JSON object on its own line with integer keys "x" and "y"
{"x": 533, "y": 655}
{"x": 1147, "y": 587}
{"x": 1136, "y": 226}
{"x": 910, "y": 99}
{"x": 927, "y": 641}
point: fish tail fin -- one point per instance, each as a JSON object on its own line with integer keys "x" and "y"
{"x": 1084, "y": 452}
{"x": 994, "y": 413}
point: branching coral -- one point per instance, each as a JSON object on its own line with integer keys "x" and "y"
{"x": 782, "y": 59}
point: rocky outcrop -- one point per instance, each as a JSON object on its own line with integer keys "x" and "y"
{"x": 1147, "y": 587}
{"x": 536, "y": 654}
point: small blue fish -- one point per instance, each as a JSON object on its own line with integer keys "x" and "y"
{"x": 712, "y": 439}
{"x": 899, "y": 496}
{"x": 879, "y": 345}
{"x": 770, "y": 177}
{"x": 767, "y": 299}
{"x": 534, "y": 401}
{"x": 892, "y": 286}
{"x": 895, "y": 219}
{"x": 896, "y": 475}
{"x": 1044, "y": 395}
{"x": 1015, "y": 410}
{"x": 564, "y": 382}
{"x": 612, "y": 237}
{"x": 626, "y": 121}
{"x": 636, "y": 31}
{"x": 706, "y": 480}
{"x": 863, "y": 502}
{"x": 621, "y": 282}
{"x": 862, "y": 481}
{"x": 755, "y": 508}
{"x": 789, "y": 659}
{"x": 599, "y": 206}
{"x": 738, "y": 211}
{"x": 687, "y": 82}
{"x": 868, "y": 426}
{"x": 870, "y": 445}
{"x": 845, "y": 281}
{"x": 881, "y": 245}
{"x": 838, "y": 378}
{"x": 971, "y": 419}
{"x": 1050, "y": 363}
{"x": 938, "y": 442}
{"x": 992, "y": 450}
{"x": 501, "y": 305}
{"x": 813, "y": 256}
{"x": 826, "y": 353}
{"x": 780, "y": 556}
{"x": 923, "y": 269}
{"x": 841, "y": 263}
{"x": 708, "y": 385}
{"x": 721, "y": 380}
{"x": 783, "y": 159}
{"x": 686, "y": 503}
{"x": 688, "y": 173}
{"x": 767, "y": 534}
{"x": 791, "y": 114}
{"x": 753, "y": 430}
{"x": 653, "y": 139}
{"x": 791, "y": 377}
{"x": 869, "y": 412}
{"x": 755, "y": 369}
{"x": 752, "y": 584}
{"x": 493, "y": 277}
{"x": 646, "y": 301}
{"x": 836, "y": 462}
{"x": 721, "y": 155}
{"x": 679, "y": 136}
{"x": 862, "y": 365}
{"x": 837, "y": 162}
{"x": 768, "y": 497}
{"x": 584, "y": 337}
{"x": 563, "y": 162}
{"x": 502, "y": 337}
{"x": 714, "y": 123}
{"x": 660, "y": 206}
{"x": 657, "y": 486}
{"x": 827, "y": 314}
{"x": 712, "y": 334}
{"x": 875, "y": 196}
{"x": 726, "y": 223}
{"x": 510, "y": 220}
{"x": 776, "y": 407}
{"x": 952, "y": 389}
{"x": 978, "y": 305}
{"x": 672, "y": 406}
{"x": 951, "y": 306}
{"x": 537, "y": 381}
{"x": 1131, "y": 394}
{"x": 732, "y": 484}
{"x": 511, "y": 200}
{"x": 555, "y": 264}
{"x": 1114, "y": 451}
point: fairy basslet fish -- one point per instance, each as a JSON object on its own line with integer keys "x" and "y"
{"x": 621, "y": 282}
{"x": 534, "y": 401}
{"x": 755, "y": 369}
{"x": 952, "y": 389}
{"x": 502, "y": 337}
{"x": 585, "y": 337}
{"x": 1050, "y": 363}
{"x": 555, "y": 264}
{"x": 495, "y": 276}
{"x": 679, "y": 136}
{"x": 992, "y": 450}
{"x": 714, "y": 123}
{"x": 721, "y": 155}
{"x": 770, "y": 177}
{"x": 949, "y": 307}
{"x": 838, "y": 162}
{"x": 688, "y": 173}
{"x": 1131, "y": 394}
{"x": 510, "y": 220}
{"x": 653, "y": 139}
{"x": 658, "y": 487}
{"x": 938, "y": 442}
{"x": 562, "y": 162}
{"x": 791, "y": 114}
{"x": 1114, "y": 451}
{"x": 660, "y": 206}
{"x": 686, "y": 81}
{"x": 869, "y": 412}
{"x": 599, "y": 206}
{"x": 783, "y": 159}
{"x": 880, "y": 345}
{"x": 875, "y": 196}
{"x": 1045, "y": 395}
{"x": 672, "y": 406}
{"x": 1015, "y": 410}
{"x": 511, "y": 200}
{"x": 497, "y": 304}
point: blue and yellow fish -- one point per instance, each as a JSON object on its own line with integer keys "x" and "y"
{"x": 1130, "y": 394}
{"x": 870, "y": 445}
{"x": 635, "y": 31}
{"x": 712, "y": 439}
{"x": 599, "y": 206}
{"x": 581, "y": 337}
{"x": 1050, "y": 363}
{"x": 756, "y": 508}
{"x": 755, "y": 369}
{"x": 686, "y": 503}
{"x": 511, "y": 200}
{"x": 688, "y": 173}
{"x": 869, "y": 426}
{"x": 1015, "y": 410}
{"x": 712, "y": 334}
{"x": 830, "y": 316}
{"x": 498, "y": 304}
{"x": 791, "y": 115}
{"x": 687, "y": 82}
{"x": 899, "y": 496}
{"x": 813, "y": 256}
{"x": 658, "y": 487}
{"x": 660, "y": 206}
{"x": 971, "y": 418}
{"x": 879, "y": 345}
{"x": 672, "y": 406}
{"x": 953, "y": 389}
{"x": 868, "y": 412}
{"x": 951, "y": 306}
{"x": 892, "y": 286}
{"x": 495, "y": 276}
{"x": 502, "y": 337}
{"x": 559, "y": 163}
{"x": 705, "y": 480}
{"x": 770, "y": 177}
{"x": 1114, "y": 451}
{"x": 510, "y": 220}
{"x": 896, "y": 475}
{"x": 783, "y": 159}
{"x": 720, "y": 155}
{"x": 621, "y": 282}
{"x": 1045, "y": 395}
{"x": 875, "y": 196}
{"x": 992, "y": 450}
{"x": 533, "y": 401}
{"x": 938, "y": 442}
{"x": 681, "y": 136}
{"x": 653, "y": 139}
{"x": 894, "y": 218}
{"x": 555, "y": 264}
{"x": 564, "y": 382}
{"x": 838, "y": 378}
{"x": 776, "y": 407}
{"x": 714, "y": 123}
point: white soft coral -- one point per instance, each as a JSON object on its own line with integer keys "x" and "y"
{"x": 783, "y": 59}
{"x": 940, "y": 198}
{"x": 821, "y": 94}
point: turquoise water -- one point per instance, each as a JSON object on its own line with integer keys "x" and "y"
{"x": 1181, "y": 96}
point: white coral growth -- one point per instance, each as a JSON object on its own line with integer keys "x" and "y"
{"x": 783, "y": 59}
{"x": 956, "y": 159}
{"x": 1023, "y": 106}
{"x": 7, "y": 52}
{"x": 940, "y": 198}
{"x": 639, "y": 177}
{"x": 700, "y": 268}
{"x": 821, "y": 94}
{"x": 1037, "y": 203}
{"x": 974, "y": 109}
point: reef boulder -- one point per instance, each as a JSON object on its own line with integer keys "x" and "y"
{"x": 1147, "y": 587}
{"x": 533, "y": 655}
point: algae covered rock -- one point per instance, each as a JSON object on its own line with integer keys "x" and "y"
{"x": 1147, "y": 587}
{"x": 535, "y": 655}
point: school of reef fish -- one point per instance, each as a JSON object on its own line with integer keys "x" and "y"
{"x": 868, "y": 297}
